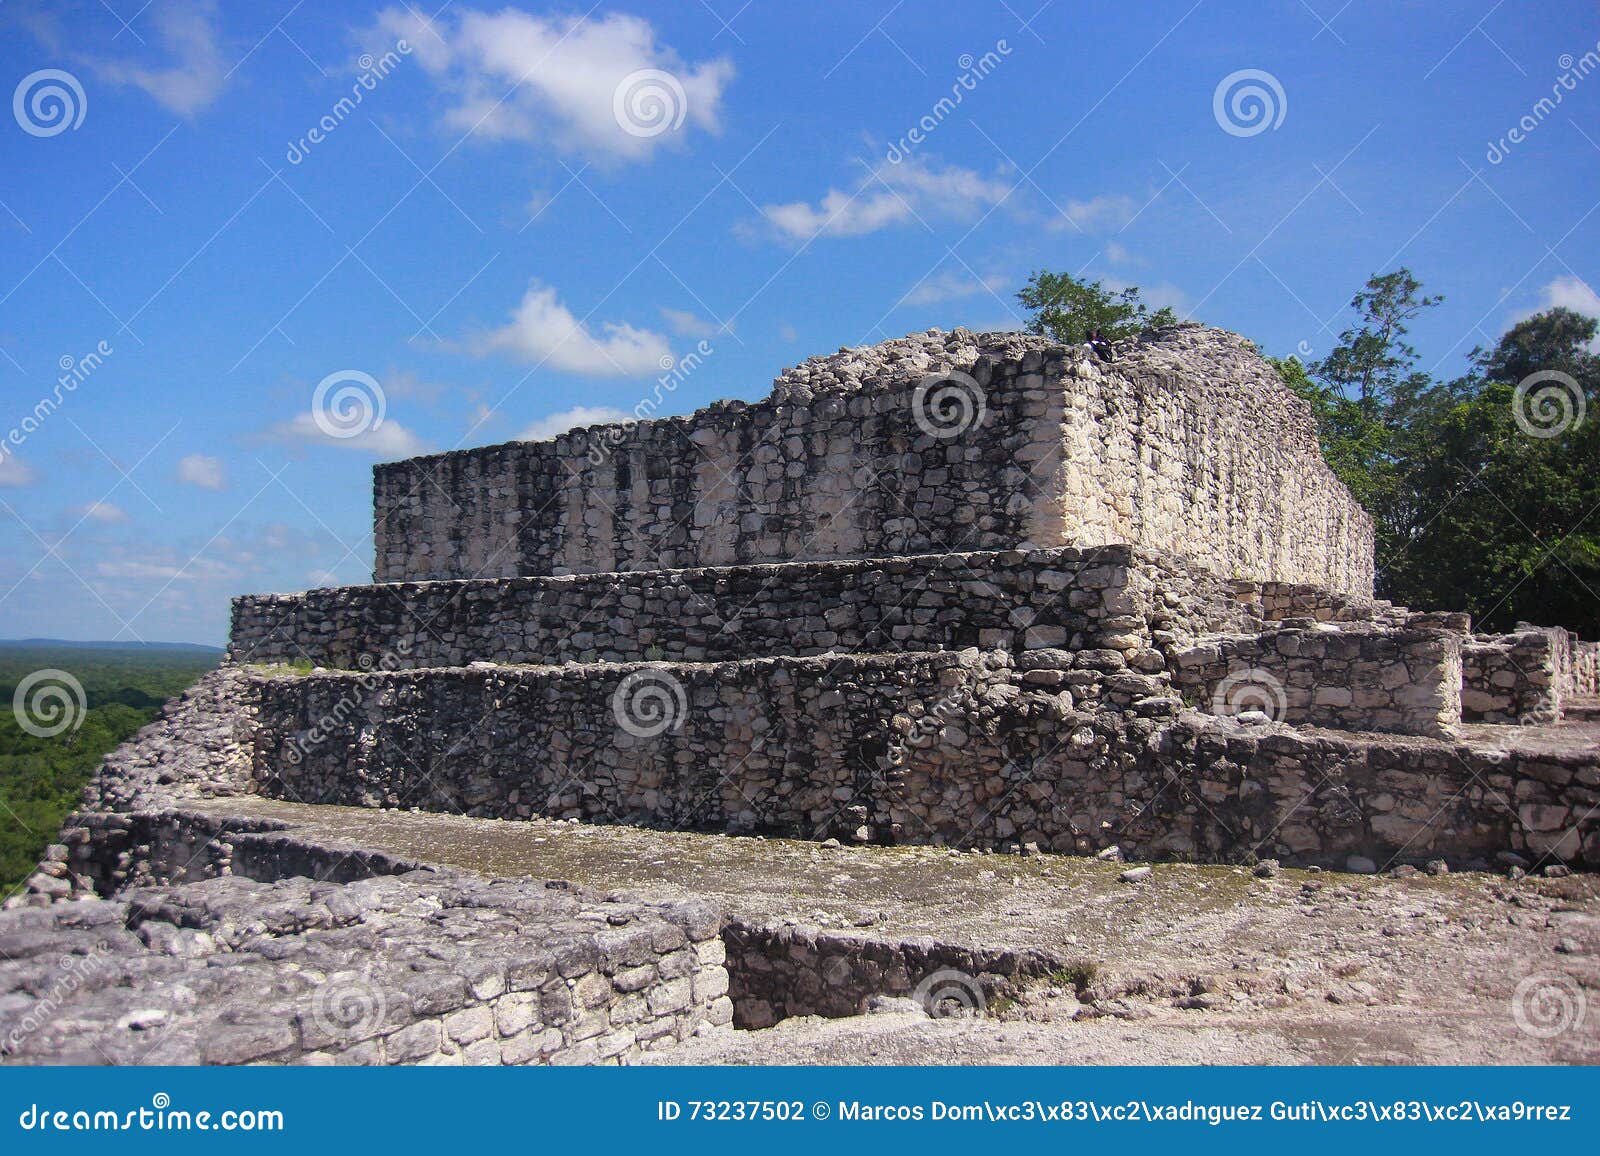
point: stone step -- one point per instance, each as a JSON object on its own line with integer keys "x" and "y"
{"x": 1584, "y": 708}
{"x": 1079, "y": 598}
{"x": 965, "y": 749}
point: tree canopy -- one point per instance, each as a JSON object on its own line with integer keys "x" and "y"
{"x": 1484, "y": 490}
{"x": 1066, "y": 308}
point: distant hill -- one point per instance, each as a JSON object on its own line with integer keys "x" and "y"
{"x": 70, "y": 644}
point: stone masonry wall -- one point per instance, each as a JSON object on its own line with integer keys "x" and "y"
{"x": 960, "y": 750}
{"x": 1081, "y": 599}
{"x": 1354, "y": 679}
{"x": 422, "y": 968}
{"x": 1188, "y": 443}
{"x": 1516, "y": 678}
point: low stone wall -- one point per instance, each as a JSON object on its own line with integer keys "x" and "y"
{"x": 788, "y": 970}
{"x": 1354, "y": 679}
{"x": 1006, "y": 600}
{"x": 1586, "y": 668}
{"x": 1516, "y": 678}
{"x": 1276, "y": 601}
{"x": 430, "y": 967}
{"x": 946, "y": 749}
{"x": 200, "y": 747}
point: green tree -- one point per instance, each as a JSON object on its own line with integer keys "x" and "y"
{"x": 1065, "y": 309}
{"x": 1499, "y": 488}
{"x": 1373, "y": 364}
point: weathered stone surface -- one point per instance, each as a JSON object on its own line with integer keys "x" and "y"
{"x": 855, "y": 455}
{"x": 281, "y": 980}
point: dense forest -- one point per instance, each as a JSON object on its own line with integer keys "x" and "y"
{"x": 53, "y": 737}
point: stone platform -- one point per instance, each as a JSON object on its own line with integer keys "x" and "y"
{"x": 947, "y": 596}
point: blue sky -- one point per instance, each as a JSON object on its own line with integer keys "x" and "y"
{"x": 530, "y": 208}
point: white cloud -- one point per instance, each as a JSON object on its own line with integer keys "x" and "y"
{"x": 890, "y": 195}
{"x": 1105, "y": 213}
{"x": 187, "y": 30}
{"x": 559, "y": 423}
{"x": 686, "y": 324}
{"x": 1572, "y": 293}
{"x": 1156, "y": 296}
{"x": 1569, "y": 292}
{"x": 389, "y": 440}
{"x": 544, "y": 331}
{"x": 950, "y": 285}
{"x": 205, "y": 472}
{"x": 15, "y": 472}
{"x": 513, "y": 75}
{"x": 102, "y": 512}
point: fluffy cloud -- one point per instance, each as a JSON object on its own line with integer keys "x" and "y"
{"x": 950, "y": 285}
{"x": 388, "y": 440}
{"x": 543, "y": 331}
{"x": 205, "y": 472}
{"x": 187, "y": 31}
{"x": 1105, "y": 213}
{"x": 890, "y": 195}
{"x": 583, "y": 415}
{"x": 1572, "y": 293}
{"x": 15, "y": 472}
{"x": 102, "y": 512}
{"x": 602, "y": 88}
{"x": 686, "y": 324}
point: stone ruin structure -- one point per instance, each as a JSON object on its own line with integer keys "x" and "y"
{"x": 968, "y": 590}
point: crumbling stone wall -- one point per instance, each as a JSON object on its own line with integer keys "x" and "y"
{"x": 1521, "y": 677}
{"x": 423, "y": 968}
{"x": 1110, "y": 596}
{"x": 779, "y": 971}
{"x": 1188, "y": 443}
{"x": 961, "y": 750}
{"x": 1359, "y": 678}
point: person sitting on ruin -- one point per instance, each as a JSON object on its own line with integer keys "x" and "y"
{"x": 1098, "y": 343}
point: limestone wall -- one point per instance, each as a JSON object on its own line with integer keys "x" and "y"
{"x": 1082, "y": 598}
{"x": 425, "y": 968}
{"x": 1186, "y": 443}
{"x": 951, "y": 749}
{"x": 1404, "y": 681}
{"x": 1521, "y": 677}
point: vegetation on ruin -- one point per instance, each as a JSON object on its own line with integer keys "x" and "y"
{"x": 1066, "y": 308}
{"x": 1484, "y": 489}
{"x": 40, "y": 778}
